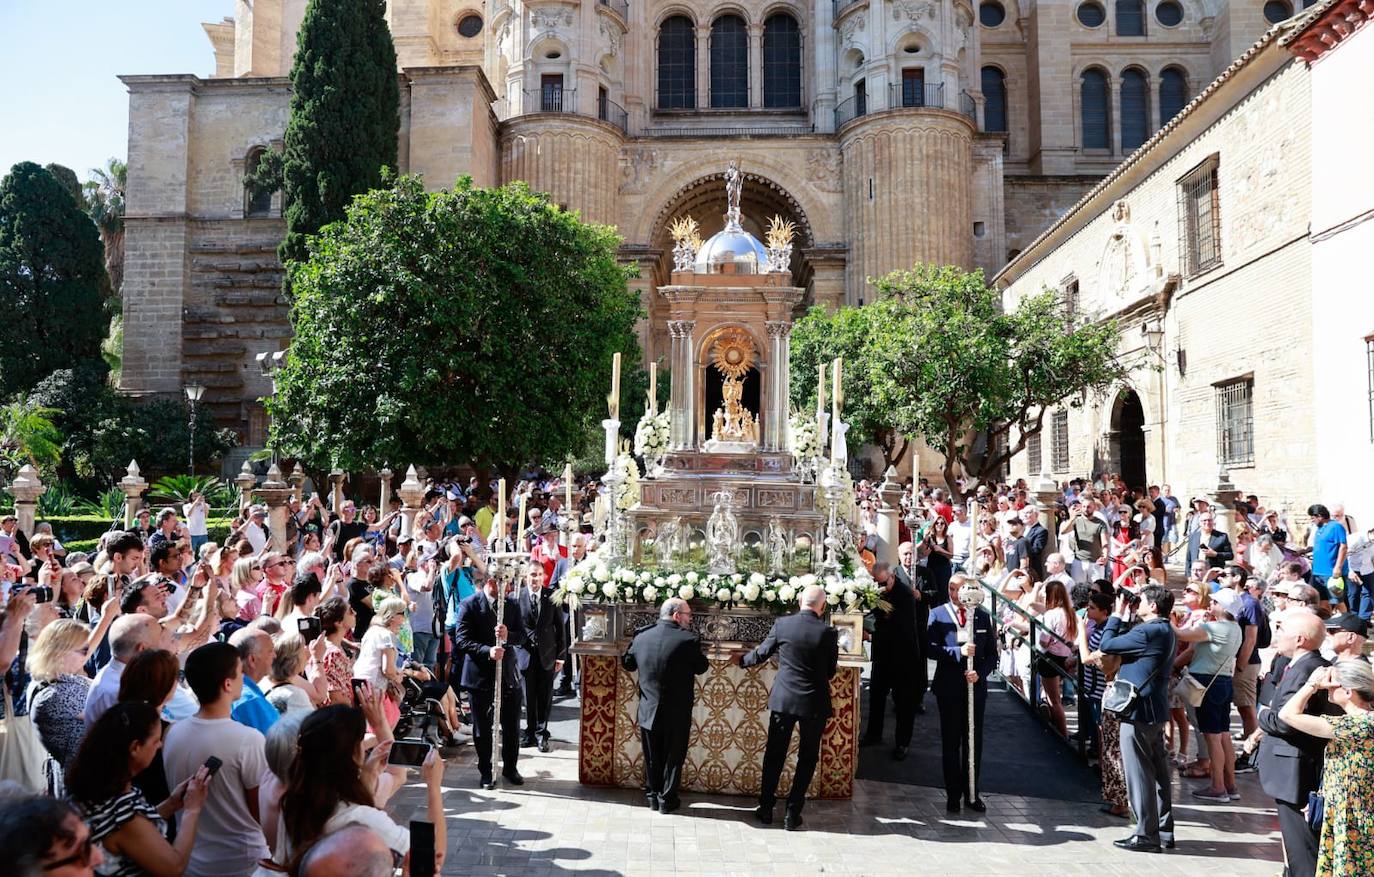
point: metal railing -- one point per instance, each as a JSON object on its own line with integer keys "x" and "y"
{"x": 551, "y": 99}
{"x": 772, "y": 131}
{"x": 619, "y": 7}
{"x": 904, "y": 95}
{"x": 1029, "y": 690}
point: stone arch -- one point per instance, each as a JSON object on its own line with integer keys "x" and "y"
{"x": 729, "y": 9}
{"x": 1125, "y": 444}
{"x": 671, "y": 11}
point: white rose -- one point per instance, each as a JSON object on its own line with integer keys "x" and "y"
{"x": 751, "y": 591}
{"x": 660, "y": 582}
{"x": 807, "y": 581}
{"x": 645, "y": 576}
{"x": 609, "y": 589}
{"x": 687, "y": 592}
{"x": 758, "y": 580}
{"x": 693, "y": 578}
{"x": 600, "y": 573}
{"x": 787, "y": 593}
{"x": 795, "y": 582}
{"x": 675, "y": 580}
{"x": 771, "y": 595}
{"x": 723, "y": 595}
{"x": 651, "y": 594}
{"x": 833, "y": 599}
{"x": 851, "y": 597}
{"x": 834, "y": 587}
{"x": 737, "y": 578}
{"x": 575, "y": 586}
{"x": 737, "y": 595}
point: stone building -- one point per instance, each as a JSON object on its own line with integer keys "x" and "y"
{"x": 1226, "y": 249}
{"x": 888, "y": 131}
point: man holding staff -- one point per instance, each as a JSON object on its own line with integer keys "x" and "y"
{"x": 950, "y": 646}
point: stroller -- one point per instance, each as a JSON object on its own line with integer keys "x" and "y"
{"x": 422, "y": 714}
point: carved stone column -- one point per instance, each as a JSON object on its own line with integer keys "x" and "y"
{"x": 889, "y": 531}
{"x": 297, "y": 481}
{"x": 676, "y": 402}
{"x": 26, "y": 489}
{"x": 412, "y": 500}
{"x": 1046, "y": 496}
{"x": 245, "y": 481}
{"x": 689, "y": 375}
{"x": 1221, "y": 497}
{"x": 133, "y": 486}
{"x": 274, "y": 493}
{"x": 384, "y": 505}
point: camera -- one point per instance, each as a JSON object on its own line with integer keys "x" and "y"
{"x": 309, "y": 627}
{"x": 41, "y": 593}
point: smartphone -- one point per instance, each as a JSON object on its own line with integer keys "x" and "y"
{"x": 408, "y": 753}
{"x": 358, "y": 691}
{"x": 309, "y": 627}
{"x": 213, "y": 764}
{"x": 421, "y": 848}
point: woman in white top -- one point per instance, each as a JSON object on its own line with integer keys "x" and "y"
{"x": 286, "y": 686}
{"x": 1060, "y": 631}
{"x": 330, "y": 782}
{"x": 377, "y": 661}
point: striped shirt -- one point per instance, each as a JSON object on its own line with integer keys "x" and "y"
{"x": 1093, "y": 677}
{"x": 107, "y": 818}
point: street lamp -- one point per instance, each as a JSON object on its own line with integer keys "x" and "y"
{"x": 193, "y": 394}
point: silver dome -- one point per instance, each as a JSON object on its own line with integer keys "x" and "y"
{"x": 731, "y": 245}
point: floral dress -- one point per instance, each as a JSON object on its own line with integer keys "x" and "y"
{"x": 406, "y": 638}
{"x": 1347, "y": 839}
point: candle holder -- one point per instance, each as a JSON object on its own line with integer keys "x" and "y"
{"x": 613, "y": 480}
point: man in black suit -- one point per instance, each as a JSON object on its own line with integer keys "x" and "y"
{"x": 927, "y": 595}
{"x": 562, "y": 567}
{"x": 476, "y": 638}
{"x": 808, "y": 652}
{"x": 540, "y": 655}
{"x": 1290, "y": 762}
{"x": 667, "y": 656}
{"x": 896, "y": 653}
{"x": 1037, "y": 540}
{"x": 1147, "y": 655}
{"x": 1208, "y": 543}
{"x": 949, "y": 644}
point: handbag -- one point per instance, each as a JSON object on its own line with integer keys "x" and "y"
{"x": 1120, "y": 694}
{"x": 1189, "y": 690}
{"x": 21, "y": 750}
{"x": 1316, "y": 807}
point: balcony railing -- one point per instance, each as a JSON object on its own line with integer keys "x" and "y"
{"x": 911, "y": 94}
{"x": 556, "y": 99}
{"x": 619, "y": 7}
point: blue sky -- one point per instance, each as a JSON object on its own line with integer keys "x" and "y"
{"x": 59, "y": 60}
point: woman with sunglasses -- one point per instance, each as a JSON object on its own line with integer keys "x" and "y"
{"x": 130, "y": 832}
{"x": 58, "y": 694}
{"x": 1192, "y": 610}
{"x": 938, "y": 551}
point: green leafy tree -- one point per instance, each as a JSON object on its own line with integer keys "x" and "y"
{"x": 67, "y": 177}
{"x": 51, "y": 274}
{"x": 28, "y": 435}
{"x": 947, "y": 364}
{"x": 467, "y": 326}
{"x": 818, "y": 338}
{"x": 103, "y": 195}
{"x": 344, "y": 122}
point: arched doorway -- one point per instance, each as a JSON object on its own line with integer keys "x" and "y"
{"x": 1128, "y": 438}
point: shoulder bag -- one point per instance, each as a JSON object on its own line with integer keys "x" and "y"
{"x": 21, "y": 750}
{"x": 1120, "y": 694}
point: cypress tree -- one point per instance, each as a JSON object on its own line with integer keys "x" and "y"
{"x": 345, "y": 115}
{"x": 52, "y": 271}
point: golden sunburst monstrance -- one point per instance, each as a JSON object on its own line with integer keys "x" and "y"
{"x": 733, "y": 353}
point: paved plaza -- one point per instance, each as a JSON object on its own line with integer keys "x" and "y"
{"x": 554, "y": 825}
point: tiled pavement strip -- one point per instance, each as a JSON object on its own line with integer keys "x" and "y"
{"x": 554, "y": 825}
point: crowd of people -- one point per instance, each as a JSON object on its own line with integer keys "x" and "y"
{"x": 175, "y": 705}
{"x": 1198, "y": 675}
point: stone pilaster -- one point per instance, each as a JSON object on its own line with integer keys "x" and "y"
{"x": 245, "y": 481}
{"x": 274, "y": 493}
{"x": 384, "y": 500}
{"x": 26, "y": 489}
{"x": 412, "y": 500}
{"x": 1046, "y": 496}
{"x": 133, "y": 486}
{"x": 775, "y": 420}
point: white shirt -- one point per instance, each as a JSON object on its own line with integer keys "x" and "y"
{"x": 256, "y": 536}
{"x": 959, "y": 537}
{"x": 1361, "y": 557}
{"x": 194, "y": 513}
{"x": 376, "y": 640}
{"x": 229, "y": 841}
{"x": 104, "y": 691}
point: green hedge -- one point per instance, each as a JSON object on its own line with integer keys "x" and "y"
{"x": 89, "y": 528}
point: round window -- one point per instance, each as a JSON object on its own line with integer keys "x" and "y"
{"x": 991, "y": 13}
{"x": 470, "y": 26}
{"x": 1276, "y": 11}
{"x": 1169, "y": 13}
{"x": 1091, "y": 14}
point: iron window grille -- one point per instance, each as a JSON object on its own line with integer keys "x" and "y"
{"x": 1236, "y": 422}
{"x": 729, "y": 62}
{"x": 1068, "y": 297}
{"x": 1096, "y": 110}
{"x": 1199, "y": 217}
{"x": 677, "y": 64}
{"x": 782, "y": 62}
{"x": 1033, "y": 454}
{"x": 1059, "y": 441}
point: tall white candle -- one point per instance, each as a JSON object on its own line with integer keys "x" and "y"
{"x": 836, "y": 401}
{"x": 500, "y": 514}
{"x": 653, "y": 388}
{"x": 615, "y": 387}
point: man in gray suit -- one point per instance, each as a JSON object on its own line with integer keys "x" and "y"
{"x": 1289, "y": 761}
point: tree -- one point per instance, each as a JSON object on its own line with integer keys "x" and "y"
{"x": 28, "y": 435}
{"x": 104, "y": 199}
{"x": 344, "y": 121}
{"x": 51, "y": 274}
{"x": 818, "y": 338}
{"x": 949, "y": 365}
{"x": 466, "y": 326}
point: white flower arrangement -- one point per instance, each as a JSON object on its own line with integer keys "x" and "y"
{"x": 802, "y": 437}
{"x": 854, "y": 590}
{"x": 651, "y": 438}
{"x": 628, "y": 495}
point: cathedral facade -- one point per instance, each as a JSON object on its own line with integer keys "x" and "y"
{"x": 888, "y": 131}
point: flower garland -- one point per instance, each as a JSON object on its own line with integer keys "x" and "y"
{"x": 853, "y": 591}
{"x": 651, "y": 436}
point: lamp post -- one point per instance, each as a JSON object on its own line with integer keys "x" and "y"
{"x": 193, "y": 394}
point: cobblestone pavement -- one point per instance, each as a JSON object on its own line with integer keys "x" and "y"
{"x": 554, "y": 825}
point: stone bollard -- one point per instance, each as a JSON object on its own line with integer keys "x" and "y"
{"x": 275, "y": 493}
{"x": 336, "y": 480}
{"x": 26, "y": 488}
{"x": 889, "y": 532}
{"x": 1046, "y": 496}
{"x": 1222, "y": 498}
{"x": 133, "y": 485}
{"x": 245, "y": 481}
{"x": 412, "y": 500}
{"x": 385, "y": 504}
